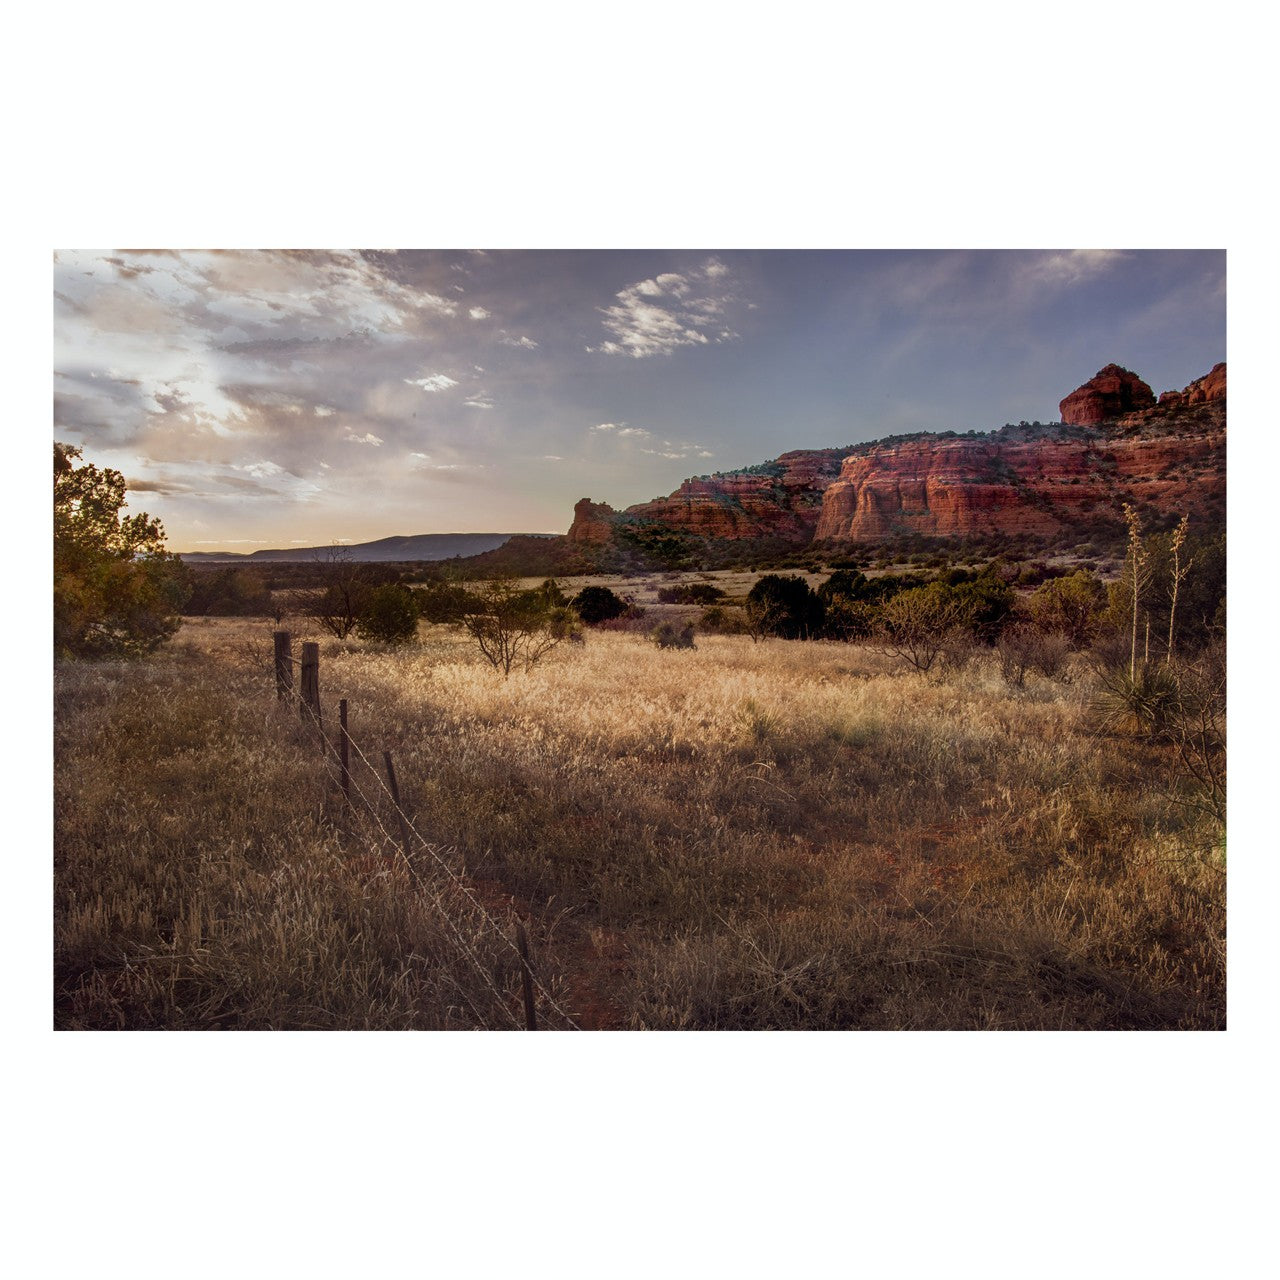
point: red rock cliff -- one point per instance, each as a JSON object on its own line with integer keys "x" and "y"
{"x": 1172, "y": 457}
{"x": 782, "y": 498}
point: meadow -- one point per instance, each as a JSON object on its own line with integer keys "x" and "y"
{"x": 746, "y": 835}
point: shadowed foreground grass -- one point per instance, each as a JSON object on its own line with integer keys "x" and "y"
{"x": 781, "y": 835}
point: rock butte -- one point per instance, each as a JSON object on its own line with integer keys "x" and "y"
{"x": 1169, "y": 456}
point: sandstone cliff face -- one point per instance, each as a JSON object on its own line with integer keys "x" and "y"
{"x": 1044, "y": 481}
{"x": 949, "y": 488}
{"x": 1111, "y": 391}
{"x": 1171, "y": 457}
{"x": 781, "y": 499}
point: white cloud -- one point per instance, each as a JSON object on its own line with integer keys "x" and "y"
{"x": 367, "y": 438}
{"x": 324, "y": 411}
{"x": 479, "y": 313}
{"x": 608, "y": 426}
{"x": 1074, "y": 265}
{"x": 552, "y": 457}
{"x": 522, "y": 341}
{"x": 655, "y": 317}
{"x": 479, "y": 401}
{"x": 433, "y": 382}
{"x": 632, "y": 431}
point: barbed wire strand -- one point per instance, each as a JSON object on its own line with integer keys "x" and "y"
{"x": 457, "y": 880}
{"x": 431, "y": 897}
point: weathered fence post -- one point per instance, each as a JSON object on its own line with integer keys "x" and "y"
{"x": 526, "y": 977}
{"x": 284, "y": 665}
{"x": 310, "y": 687}
{"x": 395, "y": 795}
{"x": 344, "y": 750}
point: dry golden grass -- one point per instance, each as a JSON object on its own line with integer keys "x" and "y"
{"x": 773, "y": 835}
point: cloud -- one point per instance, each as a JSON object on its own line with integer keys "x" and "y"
{"x": 608, "y": 426}
{"x": 522, "y": 341}
{"x": 479, "y": 313}
{"x": 479, "y": 401}
{"x": 433, "y": 382}
{"x": 367, "y": 438}
{"x": 1074, "y": 265}
{"x": 657, "y": 316}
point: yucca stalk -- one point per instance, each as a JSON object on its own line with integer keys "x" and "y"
{"x": 1180, "y": 571}
{"x": 1137, "y": 558}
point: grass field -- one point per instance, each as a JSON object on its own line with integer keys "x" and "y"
{"x": 747, "y": 835}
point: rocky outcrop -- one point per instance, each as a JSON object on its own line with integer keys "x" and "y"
{"x": 1111, "y": 392}
{"x": 1213, "y": 386}
{"x": 592, "y": 523}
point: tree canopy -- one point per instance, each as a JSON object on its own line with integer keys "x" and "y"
{"x": 116, "y": 590}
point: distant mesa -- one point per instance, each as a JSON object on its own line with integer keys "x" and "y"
{"x": 1114, "y": 444}
{"x": 1112, "y": 392}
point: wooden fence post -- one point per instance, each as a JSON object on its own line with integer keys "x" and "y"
{"x": 284, "y": 665}
{"x": 395, "y": 795}
{"x": 526, "y": 977}
{"x": 310, "y": 687}
{"x": 344, "y": 751}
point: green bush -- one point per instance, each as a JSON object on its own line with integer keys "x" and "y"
{"x": 690, "y": 593}
{"x": 784, "y": 606}
{"x": 390, "y": 615}
{"x": 670, "y": 635}
{"x": 595, "y": 605}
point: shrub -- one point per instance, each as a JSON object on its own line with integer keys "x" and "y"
{"x": 444, "y": 601}
{"x": 722, "y": 621}
{"x": 390, "y": 615}
{"x": 513, "y": 627}
{"x": 1024, "y": 646}
{"x": 1072, "y": 605}
{"x": 690, "y": 593}
{"x": 784, "y": 606}
{"x": 916, "y": 625}
{"x": 671, "y": 635}
{"x": 595, "y": 605}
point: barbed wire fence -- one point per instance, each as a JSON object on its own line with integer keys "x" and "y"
{"x": 412, "y": 843}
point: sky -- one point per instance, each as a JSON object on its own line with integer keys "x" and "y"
{"x": 276, "y": 398}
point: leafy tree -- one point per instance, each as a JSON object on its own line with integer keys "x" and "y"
{"x": 598, "y": 604}
{"x": 390, "y": 614}
{"x": 513, "y": 627}
{"x": 342, "y": 596}
{"x": 784, "y": 606}
{"x": 116, "y": 590}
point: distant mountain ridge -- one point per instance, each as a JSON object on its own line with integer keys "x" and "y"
{"x": 417, "y": 546}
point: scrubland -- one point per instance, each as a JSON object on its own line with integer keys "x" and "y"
{"x": 772, "y": 835}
